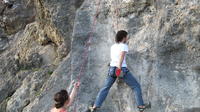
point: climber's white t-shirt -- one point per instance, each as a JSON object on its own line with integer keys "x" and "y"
{"x": 116, "y": 49}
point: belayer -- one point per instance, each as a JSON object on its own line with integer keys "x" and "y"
{"x": 117, "y": 64}
{"x": 63, "y": 100}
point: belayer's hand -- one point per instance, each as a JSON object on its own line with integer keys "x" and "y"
{"x": 77, "y": 84}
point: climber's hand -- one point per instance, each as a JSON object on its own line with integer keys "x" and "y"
{"x": 119, "y": 67}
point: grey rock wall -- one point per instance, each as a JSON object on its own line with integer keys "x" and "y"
{"x": 43, "y": 55}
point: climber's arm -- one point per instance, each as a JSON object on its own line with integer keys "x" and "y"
{"x": 73, "y": 93}
{"x": 122, "y": 55}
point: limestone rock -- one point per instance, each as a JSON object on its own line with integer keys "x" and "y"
{"x": 43, "y": 48}
{"x": 16, "y": 18}
{"x": 29, "y": 89}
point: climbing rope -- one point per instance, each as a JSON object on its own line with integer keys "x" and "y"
{"x": 88, "y": 42}
{"x": 87, "y": 46}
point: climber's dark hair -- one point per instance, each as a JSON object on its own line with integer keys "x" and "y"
{"x": 120, "y": 36}
{"x": 60, "y": 98}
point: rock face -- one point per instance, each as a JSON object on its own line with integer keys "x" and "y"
{"x": 43, "y": 47}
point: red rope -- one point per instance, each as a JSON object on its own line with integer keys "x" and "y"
{"x": 88, "y": 44}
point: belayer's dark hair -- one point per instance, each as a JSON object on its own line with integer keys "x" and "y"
{"x": 120, "y": 36}
{"x": 60, "y": 98}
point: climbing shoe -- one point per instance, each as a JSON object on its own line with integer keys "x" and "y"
{"x": 91, "y": 109}
{"x": 146, "y": 106}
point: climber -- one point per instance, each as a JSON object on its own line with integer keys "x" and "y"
{"x": 7, "y": 4}
{"x": 118, "y": 61}
{"x": 63, "y": 100}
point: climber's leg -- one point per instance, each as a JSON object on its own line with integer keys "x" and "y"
{"x": 135, "y": 86}
{"x": 104, "y": 91}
